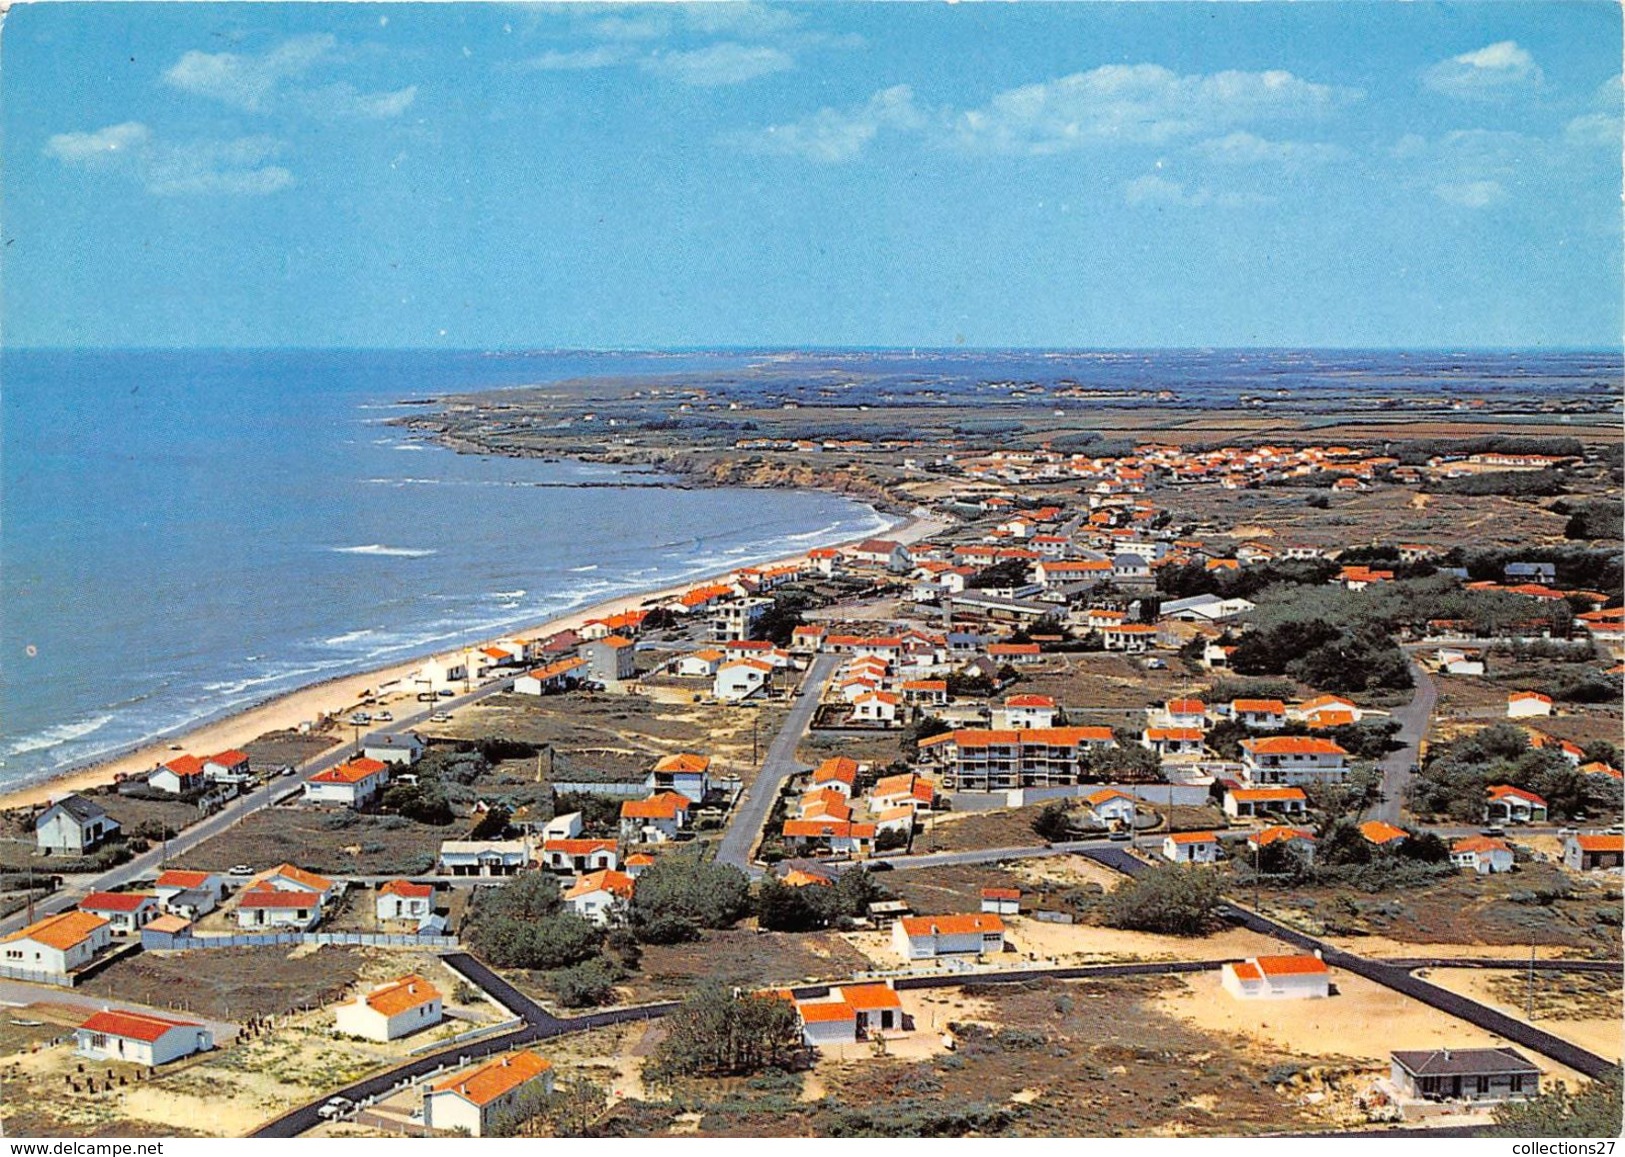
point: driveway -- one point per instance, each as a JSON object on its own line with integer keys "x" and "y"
{"x": 757, "y": 801}
{"x": 1413, "y": 720}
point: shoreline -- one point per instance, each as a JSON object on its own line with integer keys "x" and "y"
{"x": 338, "y": 696}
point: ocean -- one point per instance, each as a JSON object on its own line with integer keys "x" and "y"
{"x": 183, "y": 534}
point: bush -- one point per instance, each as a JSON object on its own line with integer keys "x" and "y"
{"x": 585, "y": 985}
{"x": 712, "y": 1034}
{"x": 1178, "y": 901}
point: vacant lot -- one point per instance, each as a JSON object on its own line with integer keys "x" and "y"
{"x": 233, "y": 983}
{"x": 743, "y": 957}
{"x": 1101, "y": 689}
{"x": 1091, "y": 1058}
{"x": 331, "y": 841}
{"x": 945, "y": 890}
{"x": 1583, "y": 1007}
{"x": 1537, "y": 904}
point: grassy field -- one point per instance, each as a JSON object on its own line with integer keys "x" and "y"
{"x": 332, "y": 841}
{"x": 1537, "y": 904}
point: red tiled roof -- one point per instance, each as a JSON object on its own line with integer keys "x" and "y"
{"x": 494, "y": 1078}
{"x": 134, "y": 1025}
{"x": 407, "y": 890}
{"x": 956, "y": 925}
{"x": 115, "y": 901}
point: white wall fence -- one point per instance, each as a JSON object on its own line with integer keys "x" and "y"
{"x": 168, "y": 942}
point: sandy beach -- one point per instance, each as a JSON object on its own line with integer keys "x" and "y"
{"x": 337, "y": 698}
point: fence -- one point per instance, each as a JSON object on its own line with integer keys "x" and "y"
{"x": 630, "y": 790}
{"x": 61, "y": 980}
{"x": 168, "y": 941}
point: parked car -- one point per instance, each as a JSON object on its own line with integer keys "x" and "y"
{"x": 385, "y": 717}
{"x": 440, "y": 717}
{"x": 361, "y": 719}
{"x": 240, "y": 870}
{"x": 335, "y": 1107}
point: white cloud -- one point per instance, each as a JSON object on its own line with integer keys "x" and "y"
{"x": 344, "y": 102}
{"x": 1138, "y": 104}
{"x": 237, "y": 167}
{"x": 834, "y": 135}
{"x": 247, "y": 82}
{"x": 1154, "y": 190}
{"x": 723, "y": 63}
{"x": 1471, "y": 194}
{"x": 579, "y": 60}
{"x": 105, "y": 148}
{"x": 1489, "y": 72}
{"x": 1244, "y": 148}
{"x": 1594, "y": 130}
{"x": 259, "y": 83}
{"x": 740, "y": 18}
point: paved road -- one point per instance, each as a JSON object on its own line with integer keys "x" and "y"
{"x": 1413, "y": 720}
{"x": 274, "y": 791}
{"x": 757, "y": 802}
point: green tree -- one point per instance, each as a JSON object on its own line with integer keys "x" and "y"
{"x": 714, "y": 1034}
{"x": 1177, "y": 901}
{"x": 425, "y": 801}
{"x": 584, "y": 985}
{"x": 680, "y": 895}
{"x": 570, "y": 1111}
{"x": 783, "y": 908}
{"x": 1053, "y": 823}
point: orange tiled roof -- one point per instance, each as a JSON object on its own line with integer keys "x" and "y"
{"x": 956, "y": 925}
{"x": 1379, "y": 832}
{"x": 175, "y": 878}
{"x": 399, "y": 995}
{"x": 354, "y": 771}
{"x": 494, "y": 1078}
{"x": 134, "y": 1025}
{"x": 61, "y": 931}
{"x": 870, "y": 996}
{"x": 407, "y": 889}
{"x": 665, "y": 806}
{"x": 1291, "y": 965}
{"x": 1292, "y": 745}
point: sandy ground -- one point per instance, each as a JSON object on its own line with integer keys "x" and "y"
{"x": 338, "y": 697}
{"x": 1072, "y": 944}
{"x": 1603, "y": 1036}
{"x": 1363, "y": 1022}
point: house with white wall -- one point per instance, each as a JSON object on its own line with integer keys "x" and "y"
{"x": 391, "y": 1011}
{"x": 139, "y": 1038}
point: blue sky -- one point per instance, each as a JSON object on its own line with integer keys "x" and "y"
{"x": 1069, "y": 175}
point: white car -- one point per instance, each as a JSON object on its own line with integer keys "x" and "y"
{"x": 336, "y": 1107}
{"x": 385, "y": 717}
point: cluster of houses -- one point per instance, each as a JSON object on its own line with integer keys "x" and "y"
{"x": 189, "y": 774}
{"x": 832, "y": 816}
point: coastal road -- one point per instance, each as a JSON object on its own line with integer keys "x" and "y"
{"x": 756, "y": 803}
{"x": 1413, "y": 720}
{"x": 272, "y": 792}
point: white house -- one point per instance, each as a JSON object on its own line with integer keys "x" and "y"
{"x": 471, "y": 1101}
{"x": 139, "y": 1038}
{"x": 1257, "y": 801}
{"x": 1293, "y": 759}
{"x": 1111, "y": 806}
{"x": 699, "y": 664}
{"x": 1514, "y": 805}
{"x": 927, "y": 937}
{"x": 1527, "y": 704}
{"x": 565, "y": 827}
{"x": 404, "y": 900}
{"x": 1002, "y": 901}
{"x": 1277, "y": 978}
{"x": 442, "y": 673}
{"x": 1454, "y": 662}
{"x": 180, "y": 775}
{"x": 398, "y": 748}
{"x": 559, "y": 676}
{"x": 827, "y": 1022}
{"x": 686, "y": 773}
{"x": 1482, "y": 854}
{"x": 391, "y": 1010}
{"x": 1021, "y": 711}
{"x": 1259, "y": 714}
{"x": 577, "y": 856}
{"x": 1191, "y": 847}
{"x": 740, "y": 678}
{"x": 876, "y": 707}
{"x": 354, "y": 784}
{"x": 125, "y": 912}
{"x": 74, "y": 825}
{"x": 599, "y": 896}
{"x": 263, "y": 907}
{"x": 654, "y": 820}
{"x": 228, "y": 767}
{"x": 288, "y": 878}
{"x": 483, "y": 857}
{"x": 1173, "y": 742}
{"x": 57, "y": 944}
{"x": 894, "y": 556}
{"x": 189, "y": 894}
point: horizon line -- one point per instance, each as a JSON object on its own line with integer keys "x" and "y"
{"x": 6, "y": 348}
